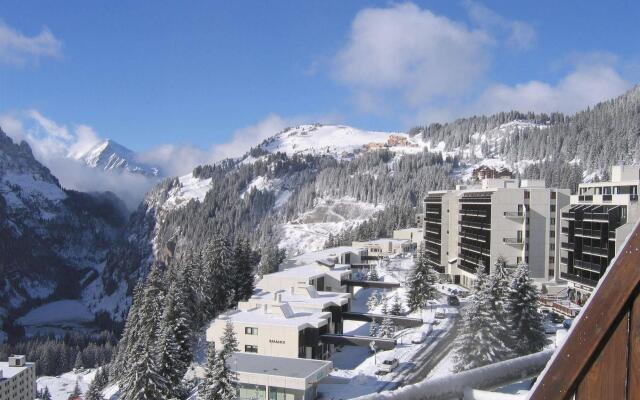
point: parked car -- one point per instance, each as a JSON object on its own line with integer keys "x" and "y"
{"x": 566, "y": 324}
{"x": 556, "y": 318}
{"x": 418, "y": 337}
{"x": 453, "y": 301}
{"x": 440, "y": 314}
{"x": 388, "y": 365}
{"x": 549, "y": 327}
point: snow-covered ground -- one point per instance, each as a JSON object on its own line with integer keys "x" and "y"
{"x": 61, "y": 386}
{"x": 190, "y": 188}
{"x": 355, "y": 367}
{"x": 56, "y": 317}
{"x": 310, "y": 231}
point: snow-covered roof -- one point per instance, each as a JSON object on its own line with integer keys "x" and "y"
{"x": 9, "y": 372}
{"x": 280, "y": 314}
{"x": 384, "y": 241}
{"x": 320, "y": 255}
{"x": 278, "y": 366}
{"x": 301, "y": 296}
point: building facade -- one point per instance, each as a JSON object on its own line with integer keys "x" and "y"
{"x": 594, "y": 227}
{"x": 17, "y": 379}
{"x": 474, "y": 225}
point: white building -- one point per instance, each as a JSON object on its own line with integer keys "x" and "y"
{"x": 17, "y": 379}
{"x": 276, "y": 330}
{"x": 384, "y": 247}
{"x": 324, "y": 277}
{"x": 474, "y": 225}
{"x": 594, "y": 227}
{"x": 266, "y": 377}
{"x": 342, "y": 255}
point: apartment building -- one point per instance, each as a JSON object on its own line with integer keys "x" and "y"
{"x": 275, "y": 329}
{"x": 473, "y": 225}
{"x": 594, "y": 227}
{"x": 323, "y": 277}
{"x": 17, "y": 379}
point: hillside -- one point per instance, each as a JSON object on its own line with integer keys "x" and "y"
{"x": 112, "y": 156}
{"x": 311, "y": 182}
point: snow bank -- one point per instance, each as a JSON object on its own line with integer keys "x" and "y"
{"x": 190, "y": 188}
{"x": 62, "y": 386}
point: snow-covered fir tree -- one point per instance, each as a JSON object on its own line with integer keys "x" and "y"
{"x": 387, "y": 327}
{"x": 94, "y": 392}
{"x": 396, "y": 306}
{"x": 374, "y": 328}
{"x": 244, "y": 274}
{"x": 79, "y": 363}
{"x": 130, "y": 335}
{"x": 229, "y": 339}
{"x": 421, "y": 282}
{"x": 481, "y": 337}
{"x": 217, "y": 284}
{"x": 373, "y": 273}
{"x": 46, "y": 395}
{"x": 372, "y": 301}
{"x": 76, "y": 391}
{"x": 217, "y": 383}
{"x": 523, "y": 320}
{"x": 271, "y": 258}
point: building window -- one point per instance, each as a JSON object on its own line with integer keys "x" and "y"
{"x": 552, "y": 260}
{"x": 527, "y": 194}
{"x": 551, "y": 273}
{"x": 250, "y": 348}
{"x": 552, "y": 234}
{"x": 552, "y": 208}
{"x": 250, "y": 331}
{"x": 553, "y": 195}
{"x": 552, "y": 221}
{"x": 552, "y": 247}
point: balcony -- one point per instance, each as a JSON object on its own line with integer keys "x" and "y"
{"x": 478, "y": 199}
{"x": 564, "y": 260}
{"x": 516, "y": 240}
{"x": 564, "y": 230}
{"x": 472, "y": 247}
{"x": 598, "y": 251}
{"x": 569, "y": 215}
{"x": 567, "y": 246}
{"x": 473, "y": 224}
{"x": 585, "y": 198}
{"x": 578, "y": 279}
{"x": 586, "y": 265}
{"x": 473, "y": 213}
{"x": 592, "y": 234}
{"x": 472, "y": 236}
{"x": 431, "y": 220}
{"x": 514, "y": 214}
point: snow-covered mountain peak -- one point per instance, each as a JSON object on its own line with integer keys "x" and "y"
{"x": 336, "y": 140}
{"x": 110, "y": 155}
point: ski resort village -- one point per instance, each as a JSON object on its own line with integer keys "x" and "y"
{"x": 319, "y": 200}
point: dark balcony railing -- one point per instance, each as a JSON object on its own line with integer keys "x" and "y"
{"x": 472, "y": 236}
{"x": 567, "y": 246}
{"x": 513, "y": 214}
{"x": 569, "y": 215}
{"x": 513, "y": 240}
{"x": 596, "y": 250}
{"x": 432, "y": 220}
{"x": 478, "y": 199}
{"x": 564, "y": 260}
{"x": 472, "y": 247}
{"x": 579, "y": 279}
{"x": 585, "y": 198}
{"x": 587, "y": 232}
{"x": 474, "y": 224}
{"x": 606, "y": 197}
{"x": 473, "y": 213}
{"x": 587, "y": 265}
{"x": 612, "y": 234}
{"x": 564, "y": 230}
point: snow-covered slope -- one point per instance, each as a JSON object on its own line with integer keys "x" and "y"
{"x": 337, "y": 140}
{"x": 112, "y": 156}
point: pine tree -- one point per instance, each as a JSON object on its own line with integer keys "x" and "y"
{"x": 229, "y": 339}
{"x": 217, "y": 267}
{"x": 373, "y": 273}
{"x": 374, "y": 328}
{"x": 129, "y": 335}
{"x": 523, "y": 320}
{"x": 94, "y": 392}
{"x": 46, "y": 395}
{"x": 217, "y": 383}
{"x": 79, "y": 363}
{"x": 271, "y": 259}
{"x": 174, "y": 346}
{"x": 372, "y": 302}
{"x": 396, "y": 307}
{"x": 387, "y": 328}
{"x": 421, "y": 283}
{"x": 480, "y": 341}
{"x": 245, "y": 279}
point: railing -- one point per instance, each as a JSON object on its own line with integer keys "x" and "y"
{"x": 595, "y": 250}
{"x": 473, "y": 213}
{"x": 589, "y": 266}
{"x": 475, "y": 200}
{"x": 569, "y": 215}
{"x": 510, "y": 214}
{"x": 471, "y": 247}
{"x": 433, "y": 220}
{"x": 567, "y": 246}
{"x": 472, "y": 236}
{"x": 473, "y": 224}
{"x": 579, "y": 279}
{"x": 587, "y": 232}
{"x": 564, "y": 230}
{"x": 454, "y": 386}
{"x": 564, "y": 260}
{"x": 585, "y": 198}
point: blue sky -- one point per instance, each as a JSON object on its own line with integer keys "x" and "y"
{"x": 209, "y": 78}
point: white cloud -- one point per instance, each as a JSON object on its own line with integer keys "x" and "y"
{"x": 585, "y": 85}
{"x": 411, "y": 52}
{"x": 18, "y": 49}
{"x": 519, "y": 34}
